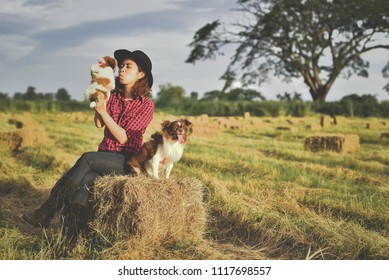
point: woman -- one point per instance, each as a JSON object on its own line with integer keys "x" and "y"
{"x": 125, "y": 117}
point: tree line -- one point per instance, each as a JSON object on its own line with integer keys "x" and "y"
{"x": 235, "y": 102}
{"x": 32, "y": 101}
{"x": 31, "y": 95}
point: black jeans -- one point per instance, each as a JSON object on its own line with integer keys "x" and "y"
{"x": 87, "y": 168}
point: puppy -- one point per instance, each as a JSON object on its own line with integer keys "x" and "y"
{"x": 103, "y": 80}
{"x": 163, "y": 150}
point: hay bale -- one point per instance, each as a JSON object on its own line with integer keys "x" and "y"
{"x": 257, "y": 123}
{"x": 375, "y": 125}
{"x": 205, "y": 128}
{"x": 32, "y": 135}
{"x": 246, "y": 115}
{"x": 12, "y": 140}
{"x": 29, "y": 135}
{"x": 332, "y": 142}
{"x": 204, "y": 117}
{"x": 155, "y": 211}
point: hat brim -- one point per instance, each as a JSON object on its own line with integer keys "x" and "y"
{"x": 121, "y": 55}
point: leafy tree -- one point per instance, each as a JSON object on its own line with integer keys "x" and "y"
{"x": 30, "y": 94}
{"x": 251, "y": 94}
{"x": 18, "y": 96}
{"x": 47, "y": 96}
{"x": 214, "y": 95}
{"x": 194, "y": 95}
{"x": 169, "y": 95}
{"x": 318, "y": 40}
{"x": 62, "y": 95}
{"x": 3, "y": 96}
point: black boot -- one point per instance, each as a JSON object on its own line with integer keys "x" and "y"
{"x": 76, "y": 215}
{"x": 59, "y": 195}
{"x": 41, "y": 217}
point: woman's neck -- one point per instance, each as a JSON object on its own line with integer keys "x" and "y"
{"x": 128, "y": 93}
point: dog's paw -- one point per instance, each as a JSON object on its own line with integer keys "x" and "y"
{"x": 92, "y": 104}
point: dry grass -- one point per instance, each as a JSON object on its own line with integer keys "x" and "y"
{"x": 268, "y": 198}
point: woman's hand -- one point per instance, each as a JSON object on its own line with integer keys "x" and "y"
{"x": 101, "y": 105}
{"x": 105, "y": 119}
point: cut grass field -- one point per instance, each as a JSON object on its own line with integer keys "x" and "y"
{"x": 267, "y": 197}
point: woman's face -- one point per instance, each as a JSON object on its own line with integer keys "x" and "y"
{"x": 129, "y": 73}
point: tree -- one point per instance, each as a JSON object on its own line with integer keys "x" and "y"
{"x": 3, "y": 96}
{"x": 169, "y": 95}
{"x": 30, "y": 94}
{"x": 250, "y": 94}
{"x": 62, "y": 95}
{"x": 317, "y": 40}
{"x": 194, "y": 95}
{"x": 214, "y": 95}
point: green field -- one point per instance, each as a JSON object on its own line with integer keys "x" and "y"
{"x": 267, "y": 197}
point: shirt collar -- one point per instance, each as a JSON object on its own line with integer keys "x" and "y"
{"x": 120, "y": 97}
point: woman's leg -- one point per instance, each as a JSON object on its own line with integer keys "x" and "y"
{"x": 89, "y": 164}
{"x": 79, "y": 209}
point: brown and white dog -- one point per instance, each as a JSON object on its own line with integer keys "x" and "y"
{"x": 103, "y": 80}
{"x": 164, "y": 149}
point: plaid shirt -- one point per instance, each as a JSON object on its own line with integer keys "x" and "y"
{"x": 133, "y": 116}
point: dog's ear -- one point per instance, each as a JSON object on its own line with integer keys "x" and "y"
{"x": 186, "y": 122}
{"x": 111, "y": 62}
{"x": 165, "y": 124}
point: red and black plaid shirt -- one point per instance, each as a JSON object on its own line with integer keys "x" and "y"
{"x": 133, "y": 116}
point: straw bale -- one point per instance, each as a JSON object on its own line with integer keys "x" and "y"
{"x": 27, "y": 136}
{"x": 12, "y": 140}
{"x": 258, "y": 123}
{"x": 154, "y": 211}
{"x": 246, "y": 115}
{"x": 204, "y": 117}
{"x": 32, "y": 135}
{"x": 332, "y": 142}
{"x": 205, "y": 128}
{"x": 375, "y": 125}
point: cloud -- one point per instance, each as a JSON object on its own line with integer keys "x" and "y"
{"x": 51, "y": 44}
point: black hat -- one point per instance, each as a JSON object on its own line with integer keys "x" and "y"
{"x": 140, "y": 58}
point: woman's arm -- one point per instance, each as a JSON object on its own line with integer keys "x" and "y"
{"x": 104, "y": 118}
{"x": 99, "y": 121}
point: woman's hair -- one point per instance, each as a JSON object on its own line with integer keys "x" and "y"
{"x": 141, "y": 87}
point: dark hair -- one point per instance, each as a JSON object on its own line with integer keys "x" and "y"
{"x": 140, "y": 88}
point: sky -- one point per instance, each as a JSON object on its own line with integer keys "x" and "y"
{"x": 51, "y": 44}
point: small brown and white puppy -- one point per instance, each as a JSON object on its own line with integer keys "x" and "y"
{"x": 103, "y": 80}
{"x": 163, "y": 150}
